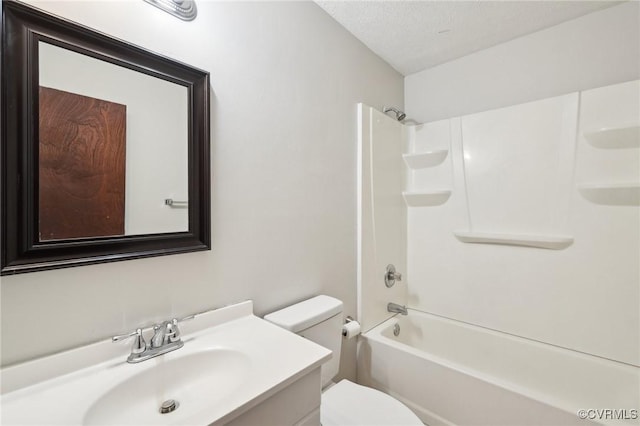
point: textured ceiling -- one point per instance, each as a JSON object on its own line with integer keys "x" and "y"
{"x": 415, "y": 35}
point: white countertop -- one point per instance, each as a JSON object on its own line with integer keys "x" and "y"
{"x": 61, "y": 390}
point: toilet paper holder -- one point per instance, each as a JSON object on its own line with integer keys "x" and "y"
{"x": 351, "y": 327}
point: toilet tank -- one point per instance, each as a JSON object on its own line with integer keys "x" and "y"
{"x": 319, "y": 319}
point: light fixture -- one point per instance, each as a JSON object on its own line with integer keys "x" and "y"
{"x": 183, "y": 9}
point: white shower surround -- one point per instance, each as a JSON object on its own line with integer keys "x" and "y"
{"x": 382, "y": 214}
{"x": 459, "y": 367}
{"x": 583, "y": 294}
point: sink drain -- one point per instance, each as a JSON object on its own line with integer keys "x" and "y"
{"x": 168, "y": 406}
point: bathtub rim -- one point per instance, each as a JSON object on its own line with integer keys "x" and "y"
{"x": 556, "y": 402}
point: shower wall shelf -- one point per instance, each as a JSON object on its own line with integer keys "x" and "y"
{"x": 426, "y": 198}
{"x": 615, "y": 138}
{"x": 620, "y": 194}
{"x": 425, "y": 159}
{"x": 551, "y": 242}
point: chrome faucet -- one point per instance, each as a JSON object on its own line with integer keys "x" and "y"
{"x": 397, "y": 309}
{"x": 166, "y": 338}
{"x": 164, "y": 334}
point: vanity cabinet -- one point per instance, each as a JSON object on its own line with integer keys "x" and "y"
{"x": 298, "y": 405}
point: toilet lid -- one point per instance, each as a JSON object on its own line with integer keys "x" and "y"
{"x": 347, "y": 403}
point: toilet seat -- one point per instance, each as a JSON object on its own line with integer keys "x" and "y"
{"x": 347, "y": 403}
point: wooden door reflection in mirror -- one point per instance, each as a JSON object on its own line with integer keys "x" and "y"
{"x": 81, "y": 166}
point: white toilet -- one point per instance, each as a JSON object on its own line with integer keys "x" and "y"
{"x": 319, "y": 319}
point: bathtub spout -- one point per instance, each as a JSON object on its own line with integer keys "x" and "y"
{"x": 397, "y": 309}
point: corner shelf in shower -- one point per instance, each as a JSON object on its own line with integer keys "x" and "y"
{"x": 551, "y": 242}
{"x": 426, "y": 198}
{"x": 619, "y": 194}
{"x": 615, "y": 138}
{"x": 425, "y": 159}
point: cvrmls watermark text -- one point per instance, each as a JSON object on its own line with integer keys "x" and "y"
{"x": 608, "y": 414}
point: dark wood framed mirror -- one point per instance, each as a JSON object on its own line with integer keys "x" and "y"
{"x": 105, "y": 147}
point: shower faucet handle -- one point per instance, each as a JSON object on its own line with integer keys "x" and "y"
{"x": 391, "y": 276}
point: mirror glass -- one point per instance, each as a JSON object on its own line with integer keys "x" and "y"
{"x": 110, "y": 157}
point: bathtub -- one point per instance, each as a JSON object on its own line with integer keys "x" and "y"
{"x": 452, "y": 373}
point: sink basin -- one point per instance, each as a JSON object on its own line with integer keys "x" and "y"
{"x": 231, "y": 362}
{"x": 192, "y": 381}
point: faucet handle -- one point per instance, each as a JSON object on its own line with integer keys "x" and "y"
{"x": 139, "y": 345}
{"x": 173, "y": 332}
{"x": 391, "y": 276}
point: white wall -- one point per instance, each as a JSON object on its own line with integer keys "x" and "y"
{"x": 594, "y": 50}
{"x": 587, "y": 296}
{"x": 285, "y": 83}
